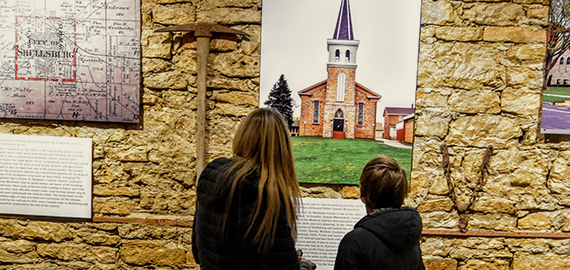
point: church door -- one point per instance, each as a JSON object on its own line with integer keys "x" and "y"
{"x": 338, "y": 123}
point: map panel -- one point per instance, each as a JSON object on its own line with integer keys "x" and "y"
{"x": 70, "y": 60}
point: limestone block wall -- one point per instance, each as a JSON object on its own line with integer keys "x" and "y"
{"x": 144, "y": 174}
{"x": 479, "y": 79}
{"x": 479, "y": 84}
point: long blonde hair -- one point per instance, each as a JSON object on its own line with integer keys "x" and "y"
{"x": 262, "y": 144}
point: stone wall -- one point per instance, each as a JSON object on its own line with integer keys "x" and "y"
{"x": 144, "y": 194}
{"x": 480, "y": 73}
{"x": 479, "y": 84}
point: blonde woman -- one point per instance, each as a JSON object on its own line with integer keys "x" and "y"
{"x": 246, "y": 209}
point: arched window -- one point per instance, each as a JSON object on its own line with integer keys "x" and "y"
{"x": 347, "y": 56}
{"x": 337, "y": 55}
{"x": 568, "y": 61}
{"x": 340, "y": 86}
{"x": 338, "y": 114}
{"x": 562, "y": 60}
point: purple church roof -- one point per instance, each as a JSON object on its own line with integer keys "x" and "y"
{"x": 343, "y": 29}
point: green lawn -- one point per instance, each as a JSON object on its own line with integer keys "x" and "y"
{"x": 557, "y": 91}
{"x": 322, "y": 160}
{"x": 554, "y": 99}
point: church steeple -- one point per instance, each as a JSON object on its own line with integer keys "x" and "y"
{"x": 342, "y": 47}
{"x": 343, "y": 29}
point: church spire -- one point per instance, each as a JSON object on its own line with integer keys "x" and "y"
{"x": 343, "y": 28}
{"x": 342, "y": 47}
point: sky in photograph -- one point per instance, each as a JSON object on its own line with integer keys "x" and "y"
{"x": 294, "y": 43}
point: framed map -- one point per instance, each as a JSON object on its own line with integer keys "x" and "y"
{"x": 70, "y": 60}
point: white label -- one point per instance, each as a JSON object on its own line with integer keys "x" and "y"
{"x": 321, "y": 225}
{"x": 45, "y": 176}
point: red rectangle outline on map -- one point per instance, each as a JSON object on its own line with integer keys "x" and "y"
{"x": 74, "y": 52}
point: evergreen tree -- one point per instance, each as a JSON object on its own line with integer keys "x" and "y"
{"x": 280, "y": 99}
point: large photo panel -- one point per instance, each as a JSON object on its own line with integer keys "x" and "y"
{"x": 343, "y": 74}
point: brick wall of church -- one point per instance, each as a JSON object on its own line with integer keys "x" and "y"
{"x": 366, "y": 131}
{"x": 306, "y": 126}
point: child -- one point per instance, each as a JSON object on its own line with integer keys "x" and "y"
{"x": 388, "y": 237}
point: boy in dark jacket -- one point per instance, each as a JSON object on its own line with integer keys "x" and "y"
{"x": 388, "y": 237}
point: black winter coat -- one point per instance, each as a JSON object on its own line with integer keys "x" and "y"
{"x": 215, "y": 249}
{"x": 385, "y": 239}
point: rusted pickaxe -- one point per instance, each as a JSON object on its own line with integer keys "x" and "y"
{"x": 203, "y": 32}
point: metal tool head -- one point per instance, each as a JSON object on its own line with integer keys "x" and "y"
{"x": 201, "y": 29}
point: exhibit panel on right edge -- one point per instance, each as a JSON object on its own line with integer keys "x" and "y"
{"x": 556, "y": 85}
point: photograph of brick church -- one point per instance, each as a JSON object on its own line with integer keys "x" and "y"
{"x": 347, "y": 72}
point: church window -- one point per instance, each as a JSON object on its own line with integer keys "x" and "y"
{"x": 568, "y": 61}
{"x": 347, "y": 56}
{"x": 562, "y": 60}
{"x": 360, "y": 114}
{"x": 338, "y": 114}
{"x": 337, "y": 55}
{"x": 340, "y": 86}
{"x": 315, "y": 112}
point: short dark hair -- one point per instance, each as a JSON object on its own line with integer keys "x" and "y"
{"x": 383, "y": 183}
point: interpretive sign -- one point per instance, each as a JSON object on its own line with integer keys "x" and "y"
{"x": 322, "y": 223}
{"x": 70, "y": 60}
{"x": 45, "y": 176}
